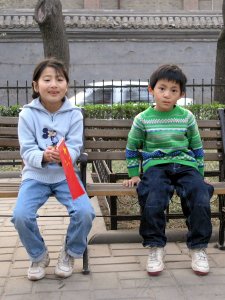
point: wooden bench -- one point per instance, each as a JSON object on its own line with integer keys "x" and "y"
{"x": 105, "y": 142}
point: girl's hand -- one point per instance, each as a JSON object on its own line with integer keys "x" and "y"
{"x": 132, "y": 182}
{"x": 51, "y": 154}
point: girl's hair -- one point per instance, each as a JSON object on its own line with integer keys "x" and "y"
{"x": 48, "y": 62}
{"x": 171, "y": 73}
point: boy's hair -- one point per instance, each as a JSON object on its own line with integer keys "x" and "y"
{"x": 169, "y": 72}
{"x": 48, "y": 62}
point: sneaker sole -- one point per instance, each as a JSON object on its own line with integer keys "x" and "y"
{"x": 200, "y": 273}
{"x": 157, "y": 273}
{"x": 63, "y": 275}
{"x": 35, "y": 278}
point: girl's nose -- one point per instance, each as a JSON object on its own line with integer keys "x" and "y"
{"x": 53, "y": 82}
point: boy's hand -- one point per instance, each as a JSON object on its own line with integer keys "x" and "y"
{"x": 51, "y": 154}
{"x": 132, "y": 182}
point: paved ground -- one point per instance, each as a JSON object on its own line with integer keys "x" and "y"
{"x": 117, "y": 269}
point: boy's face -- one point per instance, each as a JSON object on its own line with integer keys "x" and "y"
{"x": 166, "y": 93}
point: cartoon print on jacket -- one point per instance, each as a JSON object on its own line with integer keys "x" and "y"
{"x": 48, "y": 133}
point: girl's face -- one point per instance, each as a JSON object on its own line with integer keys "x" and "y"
{"x": 52, "y": 87}
{"x": 166, "y": 93}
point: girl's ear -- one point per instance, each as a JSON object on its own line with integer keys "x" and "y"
{"x": 35, "y": 86}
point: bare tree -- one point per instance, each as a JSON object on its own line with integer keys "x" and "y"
{"x": 48, "y": 15}
{"x": 219, "y": 94}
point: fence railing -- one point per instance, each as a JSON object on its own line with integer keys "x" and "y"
{"x": 106, "y": 92}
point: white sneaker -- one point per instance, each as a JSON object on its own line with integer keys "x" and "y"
{"x": 64, "y": 267}
{"x": 155, "y": 263}
{"x": 36, "y": 270}
{"x": 199, "y": 262}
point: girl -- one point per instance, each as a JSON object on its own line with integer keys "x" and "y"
{"x": 42, "y": 123}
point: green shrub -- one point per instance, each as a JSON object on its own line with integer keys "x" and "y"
{"x": 11, "y": 111}
{"x": 127, "y": 111}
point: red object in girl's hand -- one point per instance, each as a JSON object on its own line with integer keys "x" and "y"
{"x": 76, "y": 190}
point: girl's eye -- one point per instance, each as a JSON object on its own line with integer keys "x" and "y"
{"x": 60, "y": 78}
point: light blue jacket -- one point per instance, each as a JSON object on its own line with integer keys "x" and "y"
{"x": 38, "y": 129}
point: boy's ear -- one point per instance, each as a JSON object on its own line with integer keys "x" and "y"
{"x": 150, "y": 90}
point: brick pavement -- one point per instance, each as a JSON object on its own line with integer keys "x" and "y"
{"x": 117, "y": 269}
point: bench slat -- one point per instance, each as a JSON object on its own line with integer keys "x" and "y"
{"x": 116, "y": 123}
{"x": 120, "y": 155}
{"x": 122, "y": 144}
{"x": 104, "y": 123}
{"x": 8, "y": 131}
{"x": 8, "y": 120}
{"x": 105, "y": 144}
{"x": 210, "y": 134}
{"x": 208, "y": 123}
{"x": 123, "y": 133}
{"x": 6, "y": 142}
{"x": 107, "y": 133}
{"x": 7, "y": 155}
{"x": 106, "y": 189}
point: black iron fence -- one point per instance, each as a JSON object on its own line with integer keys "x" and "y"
{"x": 108, "y": 92}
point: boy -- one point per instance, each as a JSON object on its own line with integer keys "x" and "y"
{"x": 173, "y": 158}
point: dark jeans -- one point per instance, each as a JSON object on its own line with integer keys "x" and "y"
{"x": 154, "y": 193}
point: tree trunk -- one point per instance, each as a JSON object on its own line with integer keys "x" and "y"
{"x": 219, "y": 94}
{"x": 48, "y": 15}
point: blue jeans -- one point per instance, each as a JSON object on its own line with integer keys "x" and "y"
{"x": 32, "y": 195}
{"x": 154, "y": 193}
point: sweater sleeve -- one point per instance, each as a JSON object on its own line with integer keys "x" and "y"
{"x": 195, "y": 143}
{"x": 29, "y": 150}
{"x": 134, "y": 143}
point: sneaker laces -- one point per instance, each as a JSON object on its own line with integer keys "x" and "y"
{"x": 41, "y": 263}
{"x": 153, "y": 254}
{"x": 201, "y": 254}
{"x": 35, "y": 265}
{"x": 66, "y": 259}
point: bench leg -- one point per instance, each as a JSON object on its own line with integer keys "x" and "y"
{"x": 220, "y": 244}
{"x": 86, "y": 270}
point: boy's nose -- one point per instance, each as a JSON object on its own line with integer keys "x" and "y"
{"x": 166, "y": 93}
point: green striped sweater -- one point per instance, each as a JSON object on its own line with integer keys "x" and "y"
{"x": 164, "y": 137}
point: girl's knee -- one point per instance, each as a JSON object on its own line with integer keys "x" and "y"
{"x": 84, "y": 213}
{"x": 20, "y": 216}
